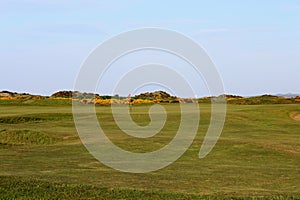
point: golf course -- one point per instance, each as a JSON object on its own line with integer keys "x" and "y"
{"x": 42, "y": 156}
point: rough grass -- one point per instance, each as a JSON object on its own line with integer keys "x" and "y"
{"x": 35, "y": 118}
{"x": 22, "y": 188}
{"x": 19, "y": 119}
{"x": 29, "y": 137}
{"x": 257, "y": 156}
{"x": 28, "y": 188}
{"x": 37, "y": 102}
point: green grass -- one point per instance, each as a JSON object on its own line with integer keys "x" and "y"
{"x": 257, "y": 156}
{"x": 28, "y": 137}
{"x": 18, "y": 187}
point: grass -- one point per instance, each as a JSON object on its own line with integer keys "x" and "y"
{"x": 257, "y": 156}
{"x": 28, "y": 137}
{"x": 16, "y": 187}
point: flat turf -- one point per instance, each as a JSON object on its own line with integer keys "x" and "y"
{"x": 41, "y": 155}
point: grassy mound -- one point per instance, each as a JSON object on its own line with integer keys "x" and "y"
{"x": 19, "y": 119}
{"x": 35, "y": 118}
{"x": 17, "y": 137}
{"x": 263, "y": 100}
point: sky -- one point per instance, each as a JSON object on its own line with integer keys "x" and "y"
{"x": 254, "y": 44}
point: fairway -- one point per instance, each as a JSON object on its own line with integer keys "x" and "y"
{"x": 258, "y": 154}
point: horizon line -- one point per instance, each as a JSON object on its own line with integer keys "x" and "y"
{"x": 233, "y": 94}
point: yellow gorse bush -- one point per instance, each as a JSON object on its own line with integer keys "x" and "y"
{"x": 116, "y": 101}
{"x": 20, "y": 97}
{"x": 140, "y": 101}
{"x": 7, "y": 98}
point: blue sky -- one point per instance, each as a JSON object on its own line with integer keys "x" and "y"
{"x": 254, "y": 44}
